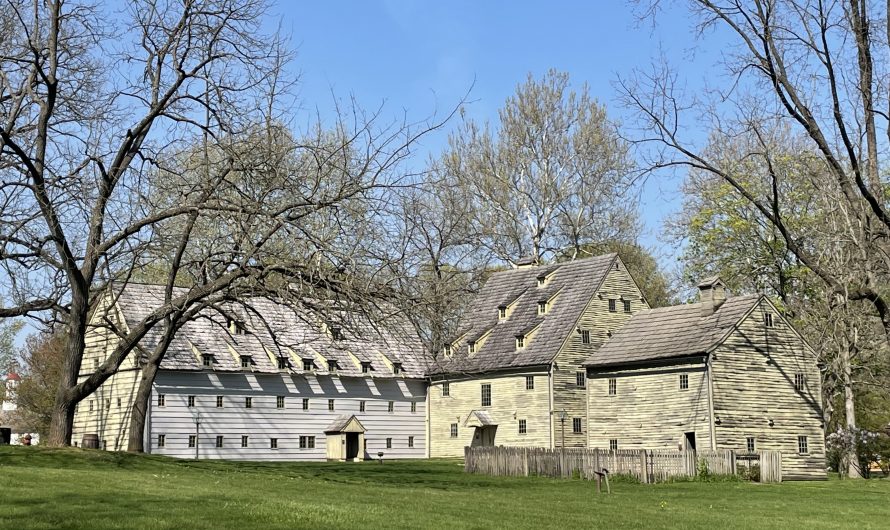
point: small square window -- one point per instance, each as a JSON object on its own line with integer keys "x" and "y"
{"x": 191, "y": 401}
{"x": 307, "y": 365}
{"x": 454, "y": 430}
{"x": 768, "y": 320}
{"x": 529, "y": 382}
{"x": 361, "y": 406}
{"x": 219, "y": 441}
{"x": 749, "y": 443}
{"x": 613, "y": 387}
{"x": 684, "y": 381}
{"x": 626, "y": 304}
{"x": 244, "y": 441}
{"x": 248, "y": 402}
{"x": 613, "y": 445}
{"x": 802, "y": 445}
{"x": 446, "y": 389}
{"x": 273, "y": 443}
{"x": 392, "y": 406}
{"x": 486, "y": 394}
{"x": 523, "y": 427}
{"x": 585, "y": 336}
{"x": 410, "y": 442}
{"x": 162, "y": 400}
{"x": 413, "y": 406}
{"x": 612, "y": 305}
{"x": 800, "y": 382}
{"x": 581, "y": 379}
{"x": 219, "y": 401}
{"x": 331, "y": 405}
{"x": 576, "y": 425}
{"x": 193, "y": 440}
{"x": 279, "y": 402}
{"x": 305, "y": 403}
{"x": 162, "y": 440}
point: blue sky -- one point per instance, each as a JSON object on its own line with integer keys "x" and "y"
{"x": 421, "y": 57}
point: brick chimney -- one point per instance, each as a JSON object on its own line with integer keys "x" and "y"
{"x": 711, "y": 294}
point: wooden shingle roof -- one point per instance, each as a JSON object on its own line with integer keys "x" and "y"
{"x": 671, "y": 332}
{"x": 275, "y": 330}
{"x": 573, "y": 283}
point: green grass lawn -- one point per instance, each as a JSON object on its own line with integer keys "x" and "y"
{"x": 72, "y": 488}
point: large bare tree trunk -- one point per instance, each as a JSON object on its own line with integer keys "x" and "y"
{"x": 62, "y": 420}
{"x": 139, "y": 411}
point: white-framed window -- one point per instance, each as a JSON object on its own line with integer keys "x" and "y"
{"x": 800, "y": 382}
{"x": 486, "y": 394}
{"x": 612, "y": 307}
{"x": 523, "y": 427}
{"x": 529, "y": 382}
{"x": 803, "y": 447}
{"x": 613, "y": 445}
{"x": 585, "y": 336}
{"x": 245, "y": 361}
{"x": 520, "y": 342}
{"x": 389, "y": 443}
{"x": 162, "y": 440}
{"x": 684, "y": 381}
{"x": 750, "y": 445}
{"x": 502, "y": 313}
{"x": 396, "y": 368}
{"x": 207, "y": 359}
{"x": 361, "y": 406}
{"x": 413, "y": 406}
{"x": 219, "y": 441}
{"x": 392, "y": 406}
{"x": 581, "y": 379}
{"x": 454, "y": 430}
{"x": 768, "y": 320}
{"x": 219, "y": 401}
{"x": 193, "y": 440}
{"x": 159, "y": 403}
{"x": 471, "y": 347}
{"x": 307, "y": 365}
{"x": 279, "y": 402}
{"x": 613, "y": 387}
{"x": 576, "y": 425}
{"x": 331, "y": 405}
{"x": 307, "y": 442}
{"x": 162, "y": 401}
{"x": 244, "y": 441}
{"x": 248, "y": 402}
{"x": 542, "y": 307}
{"x": 191, "y": 401}
{"x": 305, "y": 403}
{"x": 273, "y": 443}
{"x": 410, "y": 442}
{"x": 448, "y": 350}
{"x": 542, "y": 281}
{"x": 446, "y": 389}
{"x": 626, "y": 304}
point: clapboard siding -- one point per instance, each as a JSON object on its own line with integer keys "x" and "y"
{"x": 753, "y": 372}
{"x": 597, "y": 319}
{"x": 649, "y": 409}
{"x": 510, "y": 402}
{"x": 264, "y": 420}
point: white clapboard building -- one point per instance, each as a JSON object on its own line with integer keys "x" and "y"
{"x": 271, "y": 383}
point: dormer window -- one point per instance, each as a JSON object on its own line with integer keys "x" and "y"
{"x": 336, "y": 333}
{"x": 542, "y": 307}
{"x": 207, "y": 360}
{"x": 448, "y": 350}
{"x": 396, "y": 368}
{"x": 332, "y": 365}
{"x": 236, "y": 327}
{"x": 502, "y": 312}
{"x": 366, "y": 367}
{"x": 542, "y": 281}
{"x": 471, "y": 347}
{"x": 307, "y": 365}
{"x": 520, "y": 341}
{"x": 245, "y": 361}
{"x": 282, "y": 363}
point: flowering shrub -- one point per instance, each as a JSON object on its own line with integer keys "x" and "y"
{"x": 869, "y": 447}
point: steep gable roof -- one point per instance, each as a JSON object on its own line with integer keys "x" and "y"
{"x": 575, "y": 282}
{"x": 275, "y": 329}
{"x": 670, "y": 332}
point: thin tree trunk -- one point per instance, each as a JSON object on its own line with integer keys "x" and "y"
{"x": 139, "y": 410}
{"x": 853, "y": 469}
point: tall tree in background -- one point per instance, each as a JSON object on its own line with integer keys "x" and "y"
{"x": 42, "y": 361}
{"x": 552, "y": 176}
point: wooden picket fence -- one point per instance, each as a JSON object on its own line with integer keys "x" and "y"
{"x": 647, "y": 466}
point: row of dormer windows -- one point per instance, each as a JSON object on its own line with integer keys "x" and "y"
{"x": 283, "y": 363}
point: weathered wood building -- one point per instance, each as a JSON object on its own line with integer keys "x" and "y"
{"x": 270, "y": 385}
{"x": 724, "y": 373}
{"x": 514, "y": 374}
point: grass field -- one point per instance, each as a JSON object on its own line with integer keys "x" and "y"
{"x": 43, "y": 488}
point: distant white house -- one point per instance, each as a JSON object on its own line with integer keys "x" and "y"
{"x": 12, "y": 430}
{"x": 274, "y": 384}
